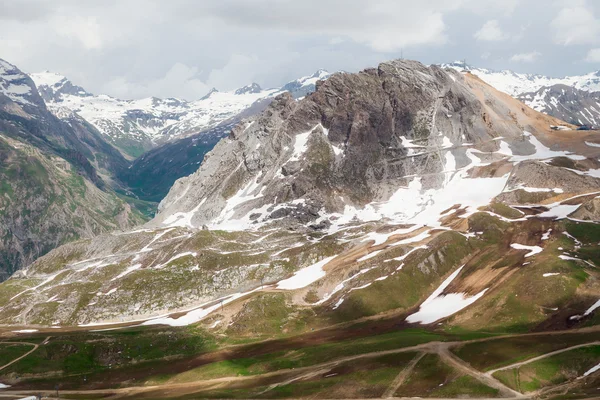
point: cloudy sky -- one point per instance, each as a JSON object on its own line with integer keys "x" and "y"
{"x": 182, "y": 48}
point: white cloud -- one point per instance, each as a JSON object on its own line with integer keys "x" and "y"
{"x": 576, "y": 24}
{"x": 86, "y": 30}
{"x": 110, "y": 46}
{"x": 383, "y": 25}
{"x": 526, "y": 57}
{"x": 490, "y": 32}
{"x": 179, "y": 81}
{"x": 593, "y": 56}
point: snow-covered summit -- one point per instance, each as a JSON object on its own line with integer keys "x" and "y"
{"x": 251, "y": 88}
{"x": 16, "y": 85}
{"x": 48, "y": 78}
{"x": 306, "y": 84}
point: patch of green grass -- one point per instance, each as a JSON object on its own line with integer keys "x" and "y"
{"x": 428, "y": 375}
{"x": 505, "y": 211}
{"x": 501, "y": 352}
{"x": 87, "y": 353}
{"x": 365, "y": 379}
{"x": 584, "y": 232}
{"x": 552, "y": 370}
{"x": 10, "y": 352}
{"x": 264, "y": 315}
{"x": 312, "y": 355}
{"x": 422, "y": 273}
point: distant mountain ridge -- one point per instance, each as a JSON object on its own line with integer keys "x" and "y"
{"x": 515, "y": 83}
{"x": 574, "y": 99}
{"x": 572, "y": 105}
{"x": 136, "y": 126}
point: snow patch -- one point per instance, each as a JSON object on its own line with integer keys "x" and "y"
{"x": 305, "y": 276}
{"x": 533, "y": 250}
{"x": 438, "y": 306}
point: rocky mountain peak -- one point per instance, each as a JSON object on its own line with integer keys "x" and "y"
{"x": 211, "y": 91}
{"x": 349, "y": 145}
{"x": 54, "y": 87}
{"x": 251, "y": 88}
{"x": 18, "y": 86}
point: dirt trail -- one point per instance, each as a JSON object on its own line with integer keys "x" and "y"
{"x": 441, "y": 348}
{"x": 399, "y": 380}
{"x": 35, "y": 347}
{"x": 519, "y": 364}
{"x": 488, "y": 380}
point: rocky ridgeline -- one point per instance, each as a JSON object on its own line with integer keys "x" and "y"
{"x": 354, "y": 141}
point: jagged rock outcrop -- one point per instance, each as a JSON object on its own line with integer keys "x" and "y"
{"x": 589, "y": 210}
{"x": 354, "y": 141}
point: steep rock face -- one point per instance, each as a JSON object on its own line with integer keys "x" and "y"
{"x": 45, "y": 202}
{"x": 353, "y": 142}
{"x": 24, "y": 115}
{"x": 566, "y": 103}
{"x": 589, "y": 211}
{"x": 53, "y": 177}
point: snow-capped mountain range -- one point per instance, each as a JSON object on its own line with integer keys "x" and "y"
{"x": 516, "y": 84}
{"x": 574, "y": 99}
{"x": 135, "y": 126}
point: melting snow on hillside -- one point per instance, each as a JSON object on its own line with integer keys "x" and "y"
{"x": 533, "y": 250}
{"x": 438, "y": 305}
{"x": 305, "y": 276}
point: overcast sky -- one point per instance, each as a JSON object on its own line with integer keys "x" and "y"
{"x": 182, "y": 48}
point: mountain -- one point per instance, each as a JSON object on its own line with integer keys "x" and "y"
{"x": 136, "y": 126}
{"x": 405, "y": 231}
{"x": 566, "y": 103}
{"x": 401, "y": 173}
{"x": 572, "y": 98}
{"x": 306, "y": 84}
{"x": 53, "y": 177}
{"x": 516, "y": 84}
